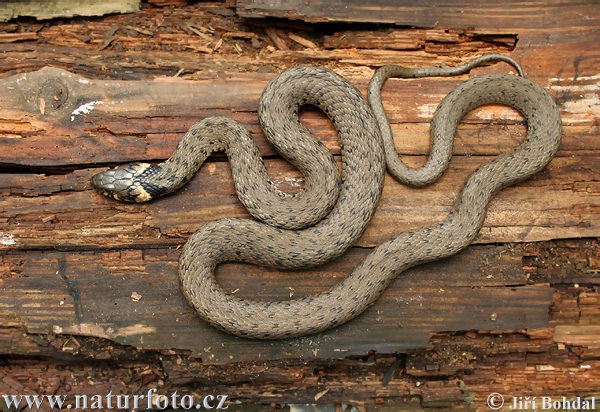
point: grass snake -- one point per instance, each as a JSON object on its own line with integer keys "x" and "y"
{"x": 322, "y": 221}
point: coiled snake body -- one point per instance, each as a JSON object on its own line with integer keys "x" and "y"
{"x": 330, "y": 214}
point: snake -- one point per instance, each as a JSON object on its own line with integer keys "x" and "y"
{"x": 322, "y": 221}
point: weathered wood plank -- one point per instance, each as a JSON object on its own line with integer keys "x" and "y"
{"x": 62, "y": 211}
{"x": 57, "y": 292}
{"x": 122, "y": 140}
{"x": 98, "y": 121}
{"x": 50, "y": 292}
{"x": 452, "y": 368}
{"x": 64, "y": 8}
{"x": 498, "y": 14}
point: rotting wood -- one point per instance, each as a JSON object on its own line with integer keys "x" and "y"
{"x": 301, "y": 40}
{"x": 91, "y": 112}
{"x": 417, "y": 303}
{"x": 143, "y": 307}
{"x": 14, "y": 37}
{"x": 431, "y": 41}
{"x": 455, "y": 370}
{"x": 168, "y": 3}
{"x": 276, "y": 38}
{"x": 135, "y": 55}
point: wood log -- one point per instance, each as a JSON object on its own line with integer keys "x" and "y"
{"x": 154, "y": 114}
{"x": 143, "y": 307}
{"x": 90, "y": 298}
{"x": 75, "y": 103}
{"x": 454, "y": 369}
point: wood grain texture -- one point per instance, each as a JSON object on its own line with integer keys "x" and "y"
{"x": 101, "y": 122}
{"x": 415, "y": 306}
{"x": 63, "y": 210}
{"x": 455, "y": 370}
{"x": 430, "y": 41}
{"x": 117, "y": 121}
{"x": 496, "y": 14}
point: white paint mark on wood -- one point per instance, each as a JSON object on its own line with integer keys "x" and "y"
{"x": 85, "y": 108}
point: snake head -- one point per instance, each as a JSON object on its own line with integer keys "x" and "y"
{"x": 128, "y": 183}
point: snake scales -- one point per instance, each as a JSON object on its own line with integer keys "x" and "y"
{"x": 327, "y": 217}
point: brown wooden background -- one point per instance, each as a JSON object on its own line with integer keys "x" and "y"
{"x": 516, "y": 313}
